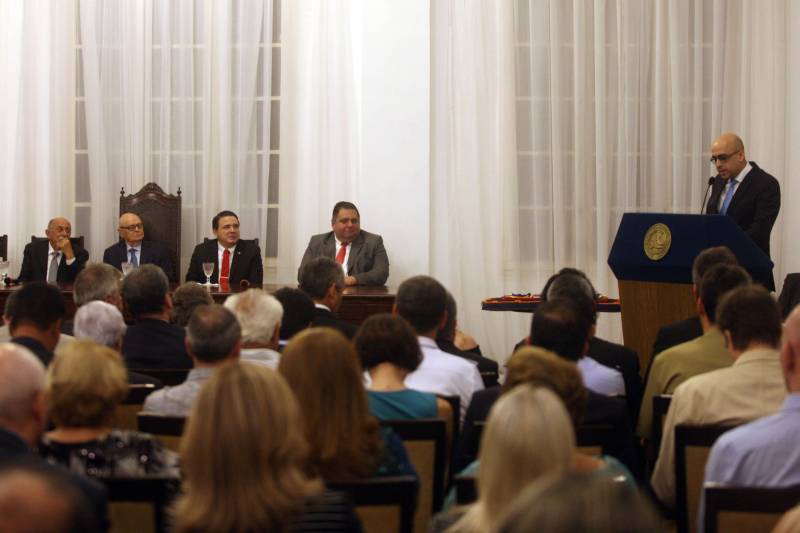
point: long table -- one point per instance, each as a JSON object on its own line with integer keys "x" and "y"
{"x": 357, "y": 304}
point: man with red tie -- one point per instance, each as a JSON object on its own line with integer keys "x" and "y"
{"x": 235, "y": 260}
{"x": 361, "y": 254}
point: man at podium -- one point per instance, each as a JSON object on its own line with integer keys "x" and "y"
{"x": 744, "y": 192}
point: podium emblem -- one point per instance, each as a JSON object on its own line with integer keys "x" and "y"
{"x": 657, "y": 241}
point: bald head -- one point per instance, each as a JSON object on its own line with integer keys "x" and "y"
{"x": 131, "y": 228}
{"x": 790, "y": 350}
{"x": 33, "y": 500}
{"x": 727, "y": 154}
{"x": 21, "y": 392}
{"x": 58, "y": 228}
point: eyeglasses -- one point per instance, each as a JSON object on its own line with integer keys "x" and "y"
{"x": 132, "y": 227}
{"x": 722, "y": 157}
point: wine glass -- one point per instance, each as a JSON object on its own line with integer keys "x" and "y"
{"x": 208, "y": 269}
{"x": 127, "y": 268}
{"x": 3, "y": 270}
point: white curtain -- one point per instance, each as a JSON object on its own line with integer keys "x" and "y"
{"x": 320, "y": 122}
{"x": 36, "y": 129}
{"x": 178, "y": 93}
{"x": 616, "y": 103}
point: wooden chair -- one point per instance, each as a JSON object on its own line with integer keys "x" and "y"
{"x": 384, "y": 504}
{"x": 660, "y": 407}
{"x": 790, "y": 294}
{"x": 425, "y": 441}
{"x": 747, "y": 509}
{"x": 3, "y": 247}
{"x": 596, "y": 440}
{"x": 466, "y": 490}
{"x": 74, "y": 240}
{"x": 130, "y": 407}
{"x": 168, "y": 429}
{"x": 692, "y": 447}
{"x": 138, "y": 504}
{"x": 452, "y": 426}
{"x": 167, "y": 376}
{"x": 161, "y": 215}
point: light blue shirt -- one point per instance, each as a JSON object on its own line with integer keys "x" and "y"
{"x": 601, "y": 379}
{"x": 762, "y": 453}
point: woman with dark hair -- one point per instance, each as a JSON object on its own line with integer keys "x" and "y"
{"x": 244, "y": 461}
{"x": 346, "y": 442}
{"x": 389, "y": 350}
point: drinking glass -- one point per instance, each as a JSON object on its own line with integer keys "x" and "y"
{"x": 208, "y": 269}
{"x": 127, "y": 268}
{"x": 3, "y": 270}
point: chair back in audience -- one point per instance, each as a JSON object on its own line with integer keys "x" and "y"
{"x": 74, "y": 240}
{"x": 384, "y": 504}
{"x": 466, "y": 491}
{"x": 130, "y": 407}
{"x": 168, "y": 429}
{"x": 692, "y": 447}
{"x": 660, "y": 407}
{"x": 161, "y": 215}
{"x": 596, "y": 439}
{"x": 138, "y": 505}
{"x": 747, "y": 509}
{"x": 452, "y": 425}
{"x": 425, "y": 441}
{"x": 490, "y": 378}
{"x": 790, "y": 294}
{"x": 3, "y": 247}
{"x": 168, "y": 376}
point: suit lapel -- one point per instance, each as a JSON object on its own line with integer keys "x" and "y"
{"x": 329, "y": 247}
{"x": 742, "y": 190}
{"x": 355, "y": 249}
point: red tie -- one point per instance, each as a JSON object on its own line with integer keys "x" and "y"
{"x": 225, "y": 272}
{"x": 342, "y": 253}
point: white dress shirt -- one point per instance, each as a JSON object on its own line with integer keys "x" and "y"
{"x": 739, "y": 179}
{"x": 600, "y": 378}
{"x": 60, "y": 255}
{"x": 445, "y": 374}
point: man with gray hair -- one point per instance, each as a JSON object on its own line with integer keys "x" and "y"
{"x": 100, "y": 322}
{"x": 152, "y": 342}
{"x": 322, "y": 279}
{"x": 98, "y": 281}
{"x": 259, "y": 315}
{"x": 213, "y": 337}
{"x": 22, "y": 420}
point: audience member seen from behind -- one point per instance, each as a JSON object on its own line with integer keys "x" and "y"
{"x": 388, "y": 349}
{"x": 259, "y": 314}
{"x": 98, "y": 281}
{"x": 580, "y": 503}
{"x": 298, "y": 312}
{"x": 36, "y": 320}
{"x": 151, "y": 342}
{"x": 346, "y": 442}
{"x": 323, "y": 280}
{"x": 248, "y": 473}
{"x": 528, "y": 437}
{"x": 422, "y": 301}
{"x": 185, "y": 299}
{"x": 84, "y": 385}
{"x": 213, "y": 337}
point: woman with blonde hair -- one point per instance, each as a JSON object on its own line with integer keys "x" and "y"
{"x": 528, "y": 437}
{"x": 84, "y": 384}
{"x": 322, "y": 368}
{"x": 244, "y": 460}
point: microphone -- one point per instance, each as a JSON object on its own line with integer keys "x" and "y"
{"x": 711, "y": 181}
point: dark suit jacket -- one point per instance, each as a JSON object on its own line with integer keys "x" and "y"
{"x": 600, "y": 410}
{"x": 625, "y": 361}
{"x": 673, "y": 335}
{"x": 153, "y": 252}
{"x": 43, "y": 354}
{"x": 754, "y": 207}
{"x": 35, "y": 260}
{"x": 246, "y": 263}
{"x": 790, "y": 294}
{"x": 154, "y": 343}
{"x": 325, "y": 319}
{"x": 488, "y": 368}
{"x": 15, "y": 452}
{"x": 367, "y": 262}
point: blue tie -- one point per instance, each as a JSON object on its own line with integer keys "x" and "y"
{"x": 134, "y": 261}
{"x": 728, "y": 196}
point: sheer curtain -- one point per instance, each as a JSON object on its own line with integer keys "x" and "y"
{"x": 616, "y": 104}
{"x": 320, "y": 122}
{"x": 178, "y": 93}
{"x": 36, "y": 130}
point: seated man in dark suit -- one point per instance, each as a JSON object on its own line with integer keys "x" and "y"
{"x": 323, "y": 280}
{"x": 22, "y": 421}
{"x": 360, "y": 253}
{"x": 298, "y": 313}
{"x": 152, "y": 342}
{"x": 55, "y": 260}
{"x": 690, "y": 328}
{"x": 235, "y": 260}
{"x": 36, "y": 314}
{"x": 132, "y": 248}
{"x": 445, "y": 340}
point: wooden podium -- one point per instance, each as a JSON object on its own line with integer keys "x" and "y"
{"x": 656, "y": 289}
